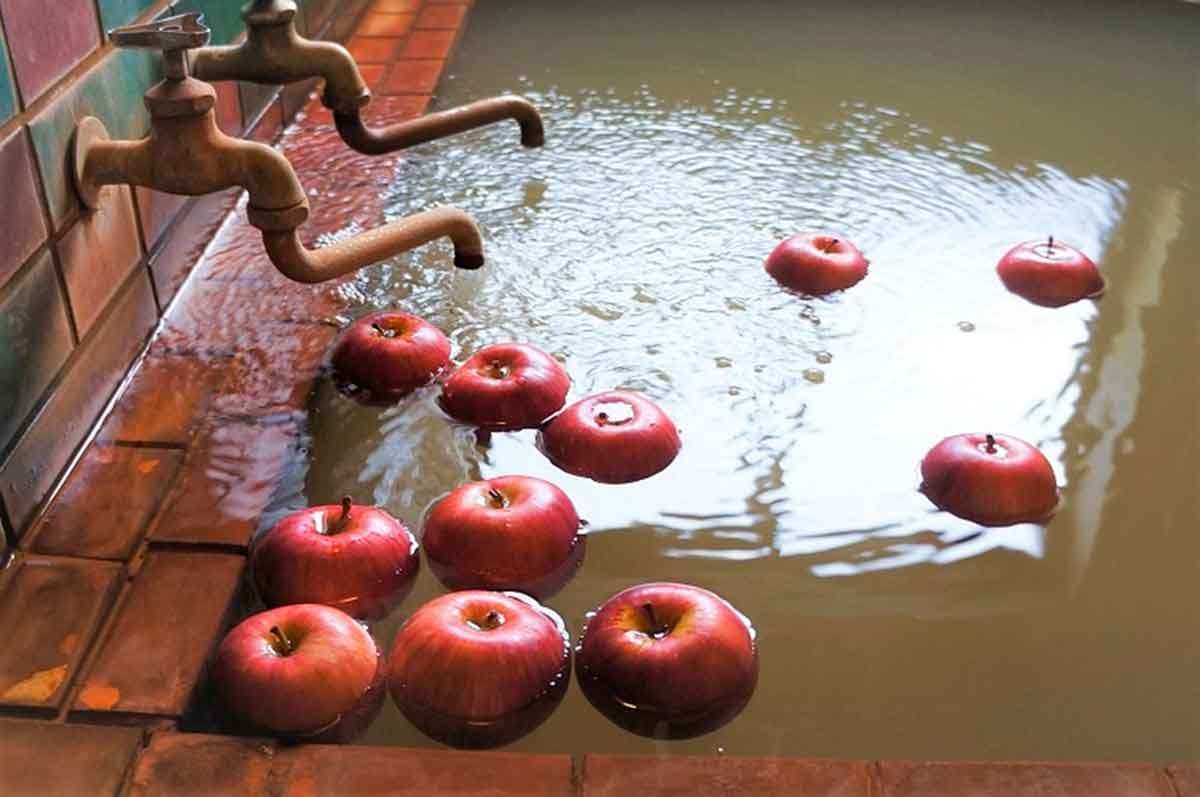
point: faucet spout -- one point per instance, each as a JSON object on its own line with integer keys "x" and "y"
{"x": 433, "y": 126}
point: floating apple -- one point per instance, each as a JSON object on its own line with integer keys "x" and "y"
{"x": 506, "y": 386}
{"x": 816, "y": 263}
{"x": 512, "y": 532}
{"x": 993, "y": 480}
{"x": 478, "y": 668}
{"x": 612, "y": 437}
{"x": 355, "y": 558}
{"x": 667, "y": 660}
{"x": 1050, "y": 273}
{"x": 297, "y": 670}
{"x": 390, "y": 354}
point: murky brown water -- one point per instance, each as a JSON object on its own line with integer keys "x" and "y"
{"x": 683, "y": 143}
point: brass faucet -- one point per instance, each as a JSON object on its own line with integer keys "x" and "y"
{"x": 186, "y": 153}
{"x": 275, "y": 53}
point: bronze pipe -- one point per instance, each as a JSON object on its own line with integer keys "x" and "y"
{"x": 296, "y": 262}
{"x": 439, "y": 125}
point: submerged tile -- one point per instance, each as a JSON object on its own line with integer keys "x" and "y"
{"x": 187, "y": 764}
{"x": 1186, "y": 780}
{"x": 169, "y": 619}
{"x": 44, "y": 759}
{"x": 166, "y": 400}
{"x": 615, "y": 775}
{"x": 50, "y": 612}
{"x": 935, "y": 779}
{"x": 271, "y": 382}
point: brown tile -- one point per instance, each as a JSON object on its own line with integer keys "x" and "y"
{"x": 419, "y": 76}
{"x": 97, "y": 253}
{"x": 166, "y": 400}
{"x": 173, "y": 262}
{"x": 1186, "y": 780}
{"x": 328, "y": 769}
{"x": 169, "y": 619}
{"x": 269, "y": 125}
{"x": 67, "y": 416}
{"x": 279, "y": 380}
{"x": 228, "y": 108}
{"x": 37, "y": 341}
{"x": 47, "y": 39}
{"x": 227, "y": 481}
{"x": 372, "y": 74}
{"x": 376, "y": 24}
{"x": 934, "y": 779}
{"x": 613, "y": 775}
{"x": 47, "y": 760}
{"x": 344, "y": 22}
{"x": 20, "y": 207}
{"x": 375, "y": 50}
{"x": 294, "y": 97}
{"x": 395, "y": 6}
{"x": 441, "y": 16}
{"x": 187, "y": 764}
{"x": 429, "y": 44}
{"x": 50, "y": 612}
{"x": 156, "y": 211}
{"x": 108, "y": 501}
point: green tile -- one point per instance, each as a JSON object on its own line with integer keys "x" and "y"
{"x": 111, "y": 91}
{"x": 114, "y": 13}
{"x": 35, "y": 340}
{"x": 8, "y": 99}
{"x": 223, "y": 17}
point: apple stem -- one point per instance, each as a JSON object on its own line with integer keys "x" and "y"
{"x": 1050, "y": 243}
{"x": 829, "y": 246}
{"x": 340, "y": 523}
{"x": 493, "y": 620}
{"x": 283, "y": 645}
{"x": 496, "y": 499}
{"x": 602, "y": 418}
{"x": 991, "y": 444}
{"x": 657, "y": 627}
{"x": 387, "y": 333}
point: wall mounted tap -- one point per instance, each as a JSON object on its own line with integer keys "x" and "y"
{"x": 275, "y": 53}
{"x": 186, "y": 153}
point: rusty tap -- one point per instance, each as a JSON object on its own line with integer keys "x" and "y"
{"x": 274, "y": 53}
{"x": 186, "y": 152}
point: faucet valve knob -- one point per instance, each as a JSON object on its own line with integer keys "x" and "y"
{"x": 181, "y": 32}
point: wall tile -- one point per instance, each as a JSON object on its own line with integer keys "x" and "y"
{"x": 224, "y": 17}
{"x": 156, "y": 211}
{"x": 46, "y": 447}
{"x": 35, "y": 339}
{"x": 8, "y": 95}
{"x": 111, "y": 91}
{"x": 114, "y": 13}
{"x": 47, "y": 39}
{"x": 24, "y": 227}
{"x": 173, "y": 262}
{"x": 97, "y": 253}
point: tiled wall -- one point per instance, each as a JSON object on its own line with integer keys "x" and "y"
{"x": 80, "y": 292}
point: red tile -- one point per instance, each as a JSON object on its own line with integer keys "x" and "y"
{"x": 187, "y": 764}
{"x": 170, "y": 617}
{"x": 173, "y": 262}
{"x": 97, "y": 253}
{"x": 328, "y": 769}
{"x": 372, "y": 74}
{"x": 429, "y": 44}
{"x": 226, "y": 483}
{"x": 375, "y": 24}
{"x": 50, "y": 612}
{"x": 108, "y": 501}
{"x": 269, "y": 125}
{"x": 20, "y": 207}
{"x": 228, "y": 108}
{"x": 935, "y": 779}
{"x": 401, "y": 108}
{"x": 375, "y": 50}
{"x": 614, "y": 775}
{"x": 441, "y": 16}
{"x": 166, "y": 399}
{"x": 414, "y": 77}
{"x": 156, "y": 211}
{"x": 43, "y": 759}
{"x": 1186, "y": 780}
{"x": 47, "y": 39}
{"x": 395, "y": 6}
{"x": 46, "y": 447}
{"x": 278, "y": 380}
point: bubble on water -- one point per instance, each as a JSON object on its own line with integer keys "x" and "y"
{"x": 966, "y": 326}
{"x": 734, "y": 390}
{"x": 824, "y": 357}
{"x": 723, "y": 362}
{"x": 814, "y": 375}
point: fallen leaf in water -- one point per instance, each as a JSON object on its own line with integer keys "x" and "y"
{"x": 100, "y": 697}
{"x": 38, "y": 687}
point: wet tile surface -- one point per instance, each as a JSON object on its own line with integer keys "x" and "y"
{"x": 1186, "y": 780}
{"x": 107, "y": 503}
{"x": 168, "y": 621}
{"x": 417, "y": 76}
{"x": 33, "y": 755}
{"x": 187, "y": 764}
{"x": 50, "y": 611}
{"x": 375, "y": 50}
{"x": 47, "y": 39}
{"x": 276, "y": 381}
{"x": 429, "y": 44}
{"x": 396, "y": 6}
{"x": 605, "y": 775}
{"x": 20, "y": 207}
{"x": 935, "y": 779}
{"x": 441, "y": 16}
{"x": 377, "y": 24}
{"x": 168, "y": 396}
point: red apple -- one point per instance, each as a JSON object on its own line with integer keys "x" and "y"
{"x": 612, "y": 437}
{"x": 816, "y": 263}
{"x": 1049, "y": 273}
{"x": 358, "y": 559}
{"x": 668, "y": 660}
{"x": 390, "y": 354}
{"x": 506, "y": 386}
{"x": 993, "y": 480}
{"x": 478, "y": 668}
{"x": 512, "y": 532}
{"x": 296, "y": 670}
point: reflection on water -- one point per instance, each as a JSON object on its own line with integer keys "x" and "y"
{"x": 631, "y": 249}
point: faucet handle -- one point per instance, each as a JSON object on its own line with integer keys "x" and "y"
{"x": 180, "y": 32}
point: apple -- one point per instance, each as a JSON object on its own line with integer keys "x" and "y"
{"x": 993, "y": 480}
{"x": 667, "y": 660}
{"x": 478, "y": 668}
{"x": 1050, "y": 273}
{"x": 390, "y": 354}
{"x": 816, "y": 263}
{"x": 612, "y": 437}
{"x": 296, "y": 670}
{"x": 506, "y": 386}
{"x": 355, "y": 558}
{"x": 512, "y": 532}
